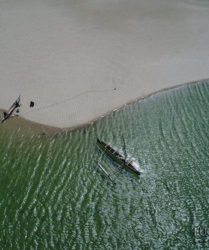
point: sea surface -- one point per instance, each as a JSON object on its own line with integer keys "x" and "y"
{"x": 54, "y": 196}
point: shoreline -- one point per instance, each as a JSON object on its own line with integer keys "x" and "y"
{"x": 42, "y": 128}
{"x": 78, "y": 61}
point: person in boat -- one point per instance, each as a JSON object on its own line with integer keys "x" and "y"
{"x": 5, "y": 114}
{"x": 17, "y": 104}
{"x": 121, "y": 158}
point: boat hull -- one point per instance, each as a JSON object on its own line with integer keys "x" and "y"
{"x": 115, "y": 159}
{"x": 15, "y": 105}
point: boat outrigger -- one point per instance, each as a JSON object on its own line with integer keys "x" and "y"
{"x": 106, "y": 173}
{"x": 116, "y": 157}
{"x": 15, "y": 105}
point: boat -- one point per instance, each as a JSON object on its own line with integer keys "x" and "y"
{"x": 7, "y": 114}
{"x": 109, "y": 151}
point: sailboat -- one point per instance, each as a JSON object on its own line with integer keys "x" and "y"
{"x": 7, "y": 114}
{"x": 109, "y": 151}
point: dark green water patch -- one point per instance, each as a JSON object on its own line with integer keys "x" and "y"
{"x": 53, "y": 196}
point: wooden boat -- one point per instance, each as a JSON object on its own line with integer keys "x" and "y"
{"x": 15, "y": 105}
{"x": 116, "y": 157}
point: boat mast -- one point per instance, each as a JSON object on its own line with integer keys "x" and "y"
{"x": 124, "y": 148}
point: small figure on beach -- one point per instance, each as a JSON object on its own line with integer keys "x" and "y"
{"x": 31, "y": 104}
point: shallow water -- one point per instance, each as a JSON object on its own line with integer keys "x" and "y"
{"x": 52, "y": 194}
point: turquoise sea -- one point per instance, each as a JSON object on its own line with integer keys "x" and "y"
{"x": 54, "y": 196}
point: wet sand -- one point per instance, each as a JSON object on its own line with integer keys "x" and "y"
{"x": 78, "y": 60}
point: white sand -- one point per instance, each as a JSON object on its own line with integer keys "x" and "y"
{"x": 69, "y": 55}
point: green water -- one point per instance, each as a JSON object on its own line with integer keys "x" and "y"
{"x": 53, "y": 196}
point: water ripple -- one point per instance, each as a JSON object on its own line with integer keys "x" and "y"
{"x": 54, "y": 196}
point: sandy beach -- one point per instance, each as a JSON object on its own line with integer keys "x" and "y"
{"x": 78, "y": 60}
